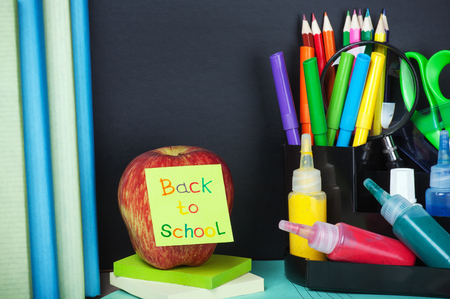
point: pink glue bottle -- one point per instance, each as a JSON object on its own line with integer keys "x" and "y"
{"x": 345, "y": 243}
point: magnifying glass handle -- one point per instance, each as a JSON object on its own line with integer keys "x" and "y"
{"x": 390, "y": 150}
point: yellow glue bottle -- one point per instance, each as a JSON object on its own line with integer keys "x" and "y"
{"x": 307, "y": 203}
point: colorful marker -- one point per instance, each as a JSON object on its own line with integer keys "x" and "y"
{"x": 380, "y": 36}
{"x": 315, "y": 102}
{"x": 367, "y": 107}
{"x": 353, "y": 99}
{"x": 338, "y": 95}
{"x": 285, "y": 101}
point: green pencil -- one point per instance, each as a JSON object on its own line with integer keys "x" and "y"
{"x": 366, "y": 33}
{"x": 346, "y": 31}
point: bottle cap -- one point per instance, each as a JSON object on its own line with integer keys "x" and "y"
{"x": 321, "y": 236}
{"x": 324, "y": 237}
{"x": 402, "y": 182}
{"x": 306, "y": 179}
{"x": 440, "y": 173}
{"x": 393, "y": 206}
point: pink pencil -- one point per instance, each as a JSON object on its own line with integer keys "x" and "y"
{"x": 355, "y": 29}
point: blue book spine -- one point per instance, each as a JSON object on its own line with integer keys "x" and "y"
{"x": 41, "y": 215}
{"x": 85, "y": 128}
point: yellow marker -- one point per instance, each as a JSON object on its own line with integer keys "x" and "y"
{"x": 307, "y": 203}
{"x": 367, "y": 107}
{"x": 380, "y": 36}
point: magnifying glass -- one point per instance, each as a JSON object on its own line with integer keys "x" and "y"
{"x": 395, "y": 110}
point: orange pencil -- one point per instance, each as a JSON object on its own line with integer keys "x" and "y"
{"x": 328, "y": 38}
{"x": 305, "y": 121}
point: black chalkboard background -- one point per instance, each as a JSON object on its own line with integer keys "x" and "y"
{"x": 198, "y": 73}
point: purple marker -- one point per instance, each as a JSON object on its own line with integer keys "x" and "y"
{"x": 284, "y": 94}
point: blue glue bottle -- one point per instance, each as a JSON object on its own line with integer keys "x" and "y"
{"x": 437, "y": 197}
{"x": 414, "y": 227}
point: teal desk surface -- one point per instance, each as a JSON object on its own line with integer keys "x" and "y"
{"x": 277, "y": 286}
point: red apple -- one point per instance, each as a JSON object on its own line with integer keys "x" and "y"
{"x": 135, "y": 208}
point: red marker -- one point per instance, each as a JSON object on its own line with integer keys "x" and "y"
{"x": 318, "y": 44}
{"x": 307, "y": 36}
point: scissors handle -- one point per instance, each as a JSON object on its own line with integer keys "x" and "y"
{"x": 434, "y": 68}
{"x": 427, "y": 123}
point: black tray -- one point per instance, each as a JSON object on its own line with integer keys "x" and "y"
{"x": 343, "y": 170}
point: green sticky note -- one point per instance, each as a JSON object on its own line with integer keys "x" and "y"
{"x": 188, "y": 205}
{"x": 216, "y": 271}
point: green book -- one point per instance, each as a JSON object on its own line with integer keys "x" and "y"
{"x": 216, "y": 271}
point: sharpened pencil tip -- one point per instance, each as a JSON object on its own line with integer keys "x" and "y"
{"x": 384, "y": 11}
{"x": 348, "y": 12}
{"x": 325, "y": 14}
{"x": 313, "y": 18}
{"x": 304, "y": 17}
{"x": 367, "y": 13}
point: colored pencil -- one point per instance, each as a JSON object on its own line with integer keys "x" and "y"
{"x": 387, "y": 86}
{"x": 386, "y": 26}
{"x": 371, "y": 24}
{"x": 360, "y": 18}
{"x": 355, "y": 29}
{"x": 307, "y": 36}
{"x": 366, "y": 33}
{"x": 346, "y": 30}
{"x": 328, "y": 38}
{"x": 318, "y": 44}
{"x": 330, "y": 50}
{"x": 380, "y": 36}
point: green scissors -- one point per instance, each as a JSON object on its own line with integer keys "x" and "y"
{"x": 431, "y": 121}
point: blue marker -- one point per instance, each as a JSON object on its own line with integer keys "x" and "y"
{"x": 353, "y": 99}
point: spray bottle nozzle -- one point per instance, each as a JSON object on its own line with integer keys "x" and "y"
{"x": 380, "y": 195}
{"x": 306, "y": 179}
{"x": 301, "y": 230}
{"x": 443, "y": 155}
{"x": 440, "y": 173}
{"x": 306, "y": 161}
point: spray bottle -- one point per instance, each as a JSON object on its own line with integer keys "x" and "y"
{"x": 307, "y": 202}
{"x": 346, "y": 243}
{"x": 414, "y": 227}
{"x": 437, "y": 197}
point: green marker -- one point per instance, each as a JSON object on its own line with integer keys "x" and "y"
{"x": 338, "y": 95}
{"x": 315, "y": 101}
